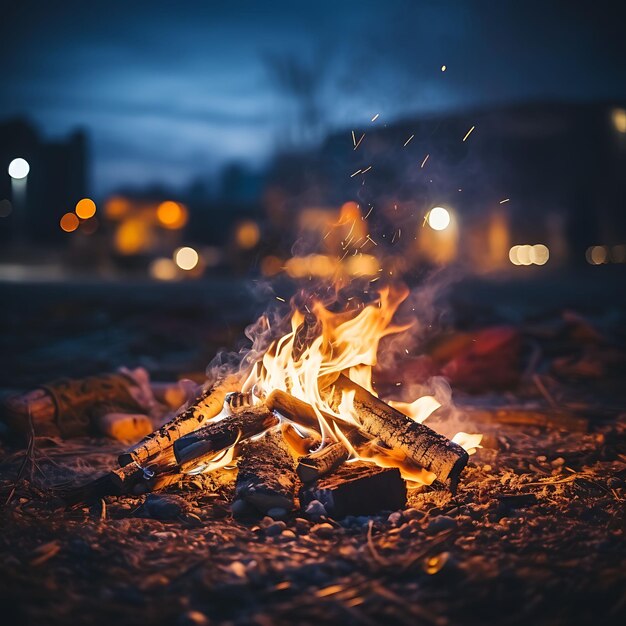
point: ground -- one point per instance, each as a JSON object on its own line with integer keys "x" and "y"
{"x": 535, "y": 533}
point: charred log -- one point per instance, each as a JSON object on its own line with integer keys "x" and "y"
{"x": 419, "y": 443}
{"x": 357, "y": 489}
{"x": 207, "y": 406}
{"x": 266, "y": 478}
{"x": 220, "y": 435}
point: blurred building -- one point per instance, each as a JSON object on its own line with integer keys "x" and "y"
{"x": 56, "y": 181}
{"x": 550, "y": 174}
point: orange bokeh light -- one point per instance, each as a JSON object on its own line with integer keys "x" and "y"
{"x": 172, "y": 215}
{"x": 85, "y": 208}
{"x": 69, "y": 223}
{"x": 116, "y": 207}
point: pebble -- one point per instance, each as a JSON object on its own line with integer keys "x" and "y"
{"x": 275, "y": 528}
{"x": 558, "y": 462}
{"x": 302, "y": 526}
{"x": 439, "y": 524}
{"x": 410, "y": 514}
{"x": 288, "y": 534}
{"x": 323, "y": 530}
{"x": 315, "y": 510}
{"x": 164, "y": 507}
{"x": 395, "y": 519}
{"x": 542, "y": 459}
{"x": 487, "y": 468}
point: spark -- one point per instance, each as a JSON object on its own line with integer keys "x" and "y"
{"x": 326, "y": 235}
{"x": 353, "y": 139}
{"x": 443, "y": 68}
{"x": 408, "y": 141}
{"x": 505, "y": 200}
{"x": 368, "y": 213}
{"x": 281, "y": 299}
{"x": 375, "y": 117}
{"x": 355, "y": 173}
{"x": 469, "y": 132}
{"x": 406, "y": 350}
{"x": 424, "y": 161}
{"x": 366, "y": 170}
{"x": 358, "y": 143}
{"x": 372, "y": 240}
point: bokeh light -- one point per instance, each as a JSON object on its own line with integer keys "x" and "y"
{"x": 163, "y": 269}
{"x": 132, "y": 236}
{"x": 116, "y": 207}
{"x": 69, "y": 222}
{"x": 619, "y": 120}
{"x": 19, "y": 168}
{"x": 597, "y": 255}
{"x": 90, "y": 226}
{"x": 539, "y": 254}
{"x": 271, "y": 265}
{"x": 172, "y": 215}
{"x": 247, "y": 234}
{"x": 85, "y": 208}
{"x": 186, "y": 258}
{"x": 438, "y": 218}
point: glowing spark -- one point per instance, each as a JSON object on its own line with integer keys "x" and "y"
{"x": 355, "y": 173}
{"x": 281, "y": 299}
{"x": 424, "y": 161}
{"x": 469, "y": 132}
{"x": 358, "y": 143}
{"x": 366, "y": 170}
{"x": 368, "y": 213}
{"x": 353, "y": 139}
{"x": 505, "y": 200}
{"x": 408, "y": 141}
{"x": 443, "y": 68}
{"x": 375, "y": 117}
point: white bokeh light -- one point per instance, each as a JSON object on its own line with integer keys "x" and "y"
{"x": 186, "y": 258}
{"x": 438, "y": 218}
{"x": 19, "y": 168}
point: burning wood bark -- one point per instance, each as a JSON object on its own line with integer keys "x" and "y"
{"x": 223, "y": 434}
{"x": 266, "y": 479}
{"x": 328, "y": 458}
{"x": 419, "y": 443}
{"x": 208, "y": 405}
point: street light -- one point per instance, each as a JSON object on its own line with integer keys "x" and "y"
{"x": 18, "y": 168}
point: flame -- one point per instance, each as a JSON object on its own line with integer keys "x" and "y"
{"x": 306, "y": 362}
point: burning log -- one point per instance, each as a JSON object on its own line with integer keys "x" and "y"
{"x": 266, "y": 479}
{"x": 208, "y": 405}
{"x": 222, "y": 434}
{"x": 327, "y": 459}
{"x": 419, "y": 443}
{"x": 294, "y": 409}
{"x": 357, "y": 489}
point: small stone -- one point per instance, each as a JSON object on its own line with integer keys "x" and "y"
{"x": 288, "y": 534}
{"x": 315, "y": 510}
{"x": 439, "y": 524}
{"x": 542, "y": 459}
{"x": 266, "y": 521}
{"x": 302, "y": 526}
{"x": 277, "y": 513}
{"x": 164, "y": 507}
{"x": 193, "y": 618}
{"x": 395, "y": 519}
{"x": 409, "y": 514}
{"x": 323, "y": 530}
{"x": 240, "y": 508}
{"x": 275, "y": 528}
{"x": 487, "y": 468}
{"x": 558, "y": 462}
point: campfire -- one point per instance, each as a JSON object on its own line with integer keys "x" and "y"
{"x": 299, "y": 419}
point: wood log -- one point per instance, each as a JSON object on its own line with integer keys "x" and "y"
{"x": 521, "y": 416}
{"x": 419, "y": 443}
{"x": 357, "y": 489}
{"x": 298, "y": 411}
{"x": 266, "y": 478}
{"x": 328, "y": 458}
{"x": 207, "y": 406}
{"x": 224, "y": 433}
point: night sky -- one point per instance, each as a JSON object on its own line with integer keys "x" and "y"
{"x": 170, "y": 91}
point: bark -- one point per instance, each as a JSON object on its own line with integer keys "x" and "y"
{"x": 266, "y": 478}
{"x": 207, "y": 406}
{"x": 419, "y": 443}
{"x": 224, "y": 433}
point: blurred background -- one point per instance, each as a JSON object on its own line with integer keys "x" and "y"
{"x": 153, "y": 143}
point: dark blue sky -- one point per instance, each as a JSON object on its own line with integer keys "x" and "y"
{"x": 172, "y": 90}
